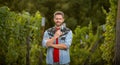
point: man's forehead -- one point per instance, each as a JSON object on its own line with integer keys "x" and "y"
{"x": 58, "y": 16}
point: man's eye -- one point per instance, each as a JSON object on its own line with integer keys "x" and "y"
{"x": 58, "y": 18}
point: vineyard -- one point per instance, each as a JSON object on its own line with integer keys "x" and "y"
{"x": 21, "y": 36}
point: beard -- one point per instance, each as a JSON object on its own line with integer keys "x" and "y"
{"x": 58, "y": 24}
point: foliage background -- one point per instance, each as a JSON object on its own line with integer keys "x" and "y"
{"x": 92, "y": 23}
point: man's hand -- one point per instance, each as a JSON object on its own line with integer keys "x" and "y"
{"x": 57, "y": 34}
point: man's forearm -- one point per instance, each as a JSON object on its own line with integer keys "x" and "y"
{"x": 59, "y": 46}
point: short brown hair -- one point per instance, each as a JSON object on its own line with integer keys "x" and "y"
{"x": 59, "y": 12}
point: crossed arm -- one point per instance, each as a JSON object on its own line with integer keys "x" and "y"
{"x": 58, "y": 46}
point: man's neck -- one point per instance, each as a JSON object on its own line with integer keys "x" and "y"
{"x": 57, "y": 26}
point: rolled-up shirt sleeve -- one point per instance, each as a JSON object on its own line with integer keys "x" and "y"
{"x": 68, "y": 39}
{"x": 45, "y": 37}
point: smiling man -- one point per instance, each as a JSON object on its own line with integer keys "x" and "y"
{"x": 57, "y": 40}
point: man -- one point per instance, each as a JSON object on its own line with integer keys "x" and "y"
{"x": 57, "y": 40}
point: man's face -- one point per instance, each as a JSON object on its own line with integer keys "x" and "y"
{"x": 58, "y": 19}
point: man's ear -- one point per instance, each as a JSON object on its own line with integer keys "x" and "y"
{"x": 53, "y": 19}
{"x": 63, "y": 19}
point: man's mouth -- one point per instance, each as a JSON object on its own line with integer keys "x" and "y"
{"x": 57, "y": 22}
